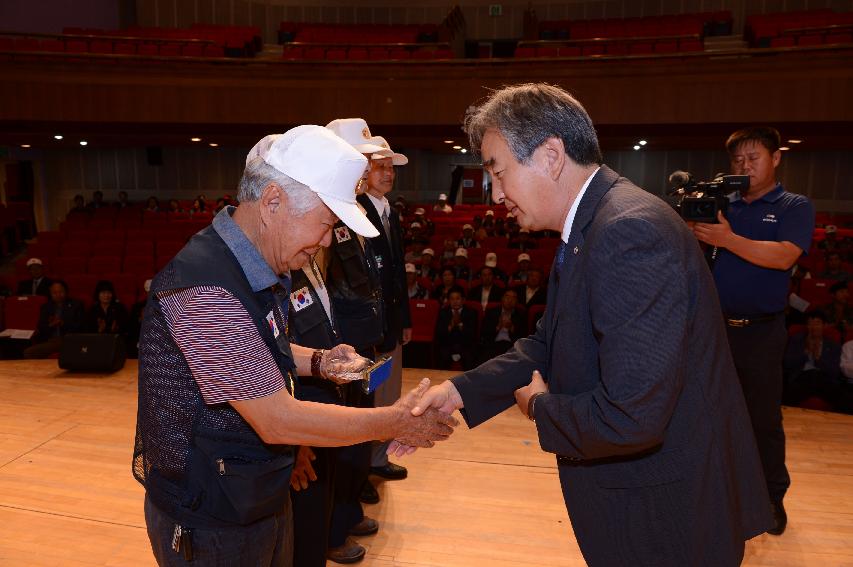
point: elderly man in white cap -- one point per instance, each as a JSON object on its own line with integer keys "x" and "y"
{"x": 442, "y": 206}
{"x": 217, "y": 420}
{"x": 38, "y": 284}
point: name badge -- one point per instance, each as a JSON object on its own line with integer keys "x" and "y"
{"x": 273, "y": 326}
{"x": 342, "y": 234}
{"x": 378, "y": 260}
{"x": 300, "y": 299}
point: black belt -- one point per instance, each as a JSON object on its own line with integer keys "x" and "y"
{"x": 747, "y": 320}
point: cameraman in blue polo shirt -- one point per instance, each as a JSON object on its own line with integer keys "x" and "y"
{"x": 760, "y": 238}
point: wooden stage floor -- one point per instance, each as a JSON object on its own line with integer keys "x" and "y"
{"x": 485, "y": 497}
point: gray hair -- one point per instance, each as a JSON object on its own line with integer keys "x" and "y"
{"x": 259, "y": 174}
{"x": 526, "y": 115}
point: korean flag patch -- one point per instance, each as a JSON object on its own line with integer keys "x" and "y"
{"x": 300, "y": 299}
{"x": 342, "y": 234}
{"x": 273, "y": 326}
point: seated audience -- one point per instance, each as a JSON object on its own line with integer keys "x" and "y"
{"x": 78, "y": 205}
{"x": 414, "y": 288}
{"x": 174, "y": 206}
{"x": 811, "y": 364}
{"x": 58, "y": 317}
{"x": 467, "y": 240}
{"x": 532, "y": 292}
{"x": 448, "y": 282}
{"x": 522, "y": 241}
{"x": 834, "y": 269}
{"x": 153, "y": 204}
{"x": 832, "y": 243}
{"x": 839, "y": 313}
{"x": 456, "y": 333}
{"x": 106, "y": 315}
{"x": 488, "y": 224}
{"x": 38, "y": 284}
{"x": 449, "y": 251}
{"x": 487, "y": 292}
{"x": 424, "y": 267}
{"x": 522, "y": 265}
{"x": 122, "y": 202}
{"x": 442, "y": 206}
{"x": 460, "y": 265}
{"x": 502, "y": 326}
{"x": 413, "y": 256}
{"x": 428, "y": 225}
{"x": 491, "y": 261}
{"x": 97, "y": 201}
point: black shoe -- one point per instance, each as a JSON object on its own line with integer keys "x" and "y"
{"x": 349, "y": 552}
{"x": 390, "y": 471}
{"x": 780, "y": 519}
{"x": 369, "y": 495}
{"x": 366, "y": 527}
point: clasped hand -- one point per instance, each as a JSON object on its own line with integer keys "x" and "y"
{"x": 418, "y": 427}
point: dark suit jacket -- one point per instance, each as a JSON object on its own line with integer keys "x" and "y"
{"x": 495, "y": 294}
{"x": 25, "y": 287}
{"x": 795, "y": 358}
{"x": 489, "y": 326}
{"x": 392, "y": 272}
{"x": 656, "y": 454}
{"x": 465, "y": 336}
{"x": 73, "y": 319}
{"x": 539, "y": 297}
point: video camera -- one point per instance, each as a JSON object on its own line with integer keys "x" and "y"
{"x": 699, "y": 201}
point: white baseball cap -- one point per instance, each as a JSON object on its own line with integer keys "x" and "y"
{"x": 415, "y": 225}
{"x": 328, "y": 166}
{"x": 467, "y": 226}
{"x": 419, "y": 211}
{"x": 522, "y": 257}
{"x": 490, "y": 213}
{"x": 355, "y": 132}
{"x": 387, "y": 152}
{"x": 410, "y": 269}
{"x": 429, "y": 251}
{"x": 510, "y": 215}
{"x": 831, "y": 228}
{"x": 442, "y": 197}
{"x": 34, "y": 262}
{"x": 491, "y": 259}
{"x": 461, "y": 252}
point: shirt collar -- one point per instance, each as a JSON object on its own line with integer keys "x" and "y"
{"x": 381, "y": 204}
{"x": 257, "y": 271}
{"x": 770, "y": 197}
{"x": 570, "y": 218}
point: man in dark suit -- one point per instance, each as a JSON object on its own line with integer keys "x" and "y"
{"x": 642, "y": 405}
{"x": 532, "y": 292}
{"x": 38, "y": 284}
{"x": 456, "y": 332}
{"x": 502, "y": 325}
{"x": 388, "y": 248}
{"x": 487, "y": 292}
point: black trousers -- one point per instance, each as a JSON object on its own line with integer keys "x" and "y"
{"x": 757, "y": 350}
{"x": 265, "y": 543}
{"x": 312, "y": 511}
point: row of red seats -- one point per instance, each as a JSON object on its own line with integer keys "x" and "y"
{"x": 359, "y": 53}
{"x": 234, "y": 37}
{"x": 111, "y": 46}
{"x": 809, "y": 27}
{"x": 187, "y": 223}
{"x": 706, "y": 23}
{"x": 363, "y": 34}
{"x": 424, "y": 314}
{"x": 613, "y": 48}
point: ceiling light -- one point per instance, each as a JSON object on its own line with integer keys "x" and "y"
{"x": 448, "y": 141}
{"x": 464, "y": 151}
{"x": 643, "y": 142}
{"x": 783, "y": 148}
{"x": 795, "y": 141}
{"x": 84, "y": 143}
{"x": 637, "y": 147}
{"x": 214, "y": 145}
{"x": 25, "y": 145}
{"x": 457, "y": 147}
{"x": 57, "y": 137}
{"x": 195, "y": 139}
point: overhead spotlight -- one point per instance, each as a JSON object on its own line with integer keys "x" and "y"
{"x": 637, "y": 147}
{"x": 464, "y": 151}
{"x": 457, "y": 147}
{"x": 448, "y": 141}
{"x": 84, "y": 143}
{"x": 783, "y": 148}
{"x": 57, "y": 137}
{"x": 195, "y": 139}
{"x": 214, "y": 145}
{"x": 795, "y": 141}
{"x": 643, "y": 142}
{"x": 25, "y": 146}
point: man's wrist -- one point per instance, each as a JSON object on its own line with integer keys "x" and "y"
{"x": 316, "y": 360}
{"x": 531, "y": 405}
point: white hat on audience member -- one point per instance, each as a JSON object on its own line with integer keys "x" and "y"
{"x": 419, "y": 211}
{"x": 415, "y": 224}
{"x": 830, "y": 228}
{"x": 461, "y": 252}
{"x": 410, "y": 269}
{"x": 491, "y": 259}
{"x": 490, "y": 213}
{"x": 523, "y": 257}
{"x": 355, "y": 132}
{"x": 429, "y": 251}
{"x": 387, "y": 152}
{"x": 510, "y": 215}
{"x": 467, "y": 227}
{"x": 329, "y": 166}
{"x": 442, "y": 197}
{"x": 34, "y": 262}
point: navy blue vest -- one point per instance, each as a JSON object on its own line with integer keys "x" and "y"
{"x": 204, "y": 464}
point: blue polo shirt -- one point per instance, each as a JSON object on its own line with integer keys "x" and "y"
{"x": 778, "y": 216}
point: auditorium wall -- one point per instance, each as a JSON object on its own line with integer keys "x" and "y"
{"x": 479, "y": 24}
{"x": 825, "y": 176}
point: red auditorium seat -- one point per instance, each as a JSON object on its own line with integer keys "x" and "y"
{"x": 138, "y": 264}
{"x": 640, "y": 48}
{"x": 169, "y": 49}
{"x": 82, "y": 286}
{"x": 100, "y": 46}
{"x": 667, "y": 46}
{"x": 423, "y": 54}
{"x": 690, "y": 45}
{"x": 595, "y": 49}
{"x": 424, "y": 315}
{"x": 125, "y": 48}
{"x": 336, "y": 54}
{"x": 293, "y": 53}
{"x": 213, "y": 51}
{"x": 839, "y": 38}
{"x": 533, "y": 315}
{"x": 811, "y": 39}
{"x": 523, "y": 52}
{"x": 617, "y": 48}
{"x": 377, "y": 54}
{"x": 399, "y": 53}
{"x": 147, "y": 49}
{"x": 315, "y": 53}
{"x": 357, "y": 54}
{"x": 570, "y": 51}
{"x": 443, "y": 54}
{"x": 816, "y": 291}
{"x": 22, "y": 312}
{"x": 67, "y": 265}
{"x": 52, "y": 45}
{"x": 547, "y": 52}
{"x": 138, "y": 247}
{"x": 104, "y": 264}
{"x": 76, "y": 46}
{"x": 192, "y": 50}
{"x": 76, "y": 247}
{"x": 26, "y": 44}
